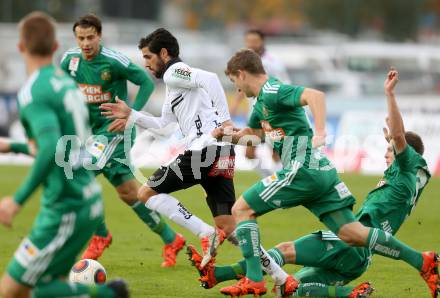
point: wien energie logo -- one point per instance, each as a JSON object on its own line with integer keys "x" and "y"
{"x": 275, "y": 134}
{"x": 94, "y": 94}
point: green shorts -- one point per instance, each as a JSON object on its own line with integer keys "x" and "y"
{"x": 320, "y": 191}
{"x": 329, "y": 260}
{"x": 56, "y": 238}
{"x": 110, "y": 159}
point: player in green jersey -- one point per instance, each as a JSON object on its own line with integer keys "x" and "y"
{"x": 102, "y": 75}
{"x": 329, "y": 262}
{"x": 307, "y": 177}
{"x": 55, "y": 118}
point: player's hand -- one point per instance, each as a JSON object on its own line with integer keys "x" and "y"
{"x": 117, "y": 125}
{"x": 118, "y": 110}
{"x": 4, "y": 146}
{"x": 391, "y": 81}
{"x": 218, "y": 133}
{"x": 318, "y": 139}
{"x": 8, "y": 209}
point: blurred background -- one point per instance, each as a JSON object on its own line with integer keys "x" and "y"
{"x": 342, "y": 47}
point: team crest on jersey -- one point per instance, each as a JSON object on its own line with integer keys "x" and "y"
{"x": 106, "y": 75}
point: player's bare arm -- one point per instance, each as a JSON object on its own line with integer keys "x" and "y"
{"x": 316, "y": 101}
{"x": 7, "y": 146}
{"x": 394, "y": 119}
{"x": 246, "y": 136}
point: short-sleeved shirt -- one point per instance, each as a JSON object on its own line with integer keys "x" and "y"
{"x": 101, "y": 79}
{"x": 50, "y": 102}
{"x": 387, "y": 206}
{"x": 279, "y": 113}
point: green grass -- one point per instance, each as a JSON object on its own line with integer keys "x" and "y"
{"x": 135, "y": 252}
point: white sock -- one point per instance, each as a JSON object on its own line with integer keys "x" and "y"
{"x": 272, "y": 268}
{"x": 175, "y": 211}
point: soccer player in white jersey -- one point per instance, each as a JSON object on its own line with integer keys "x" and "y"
{"x": 254, "y": 39}
{"x": 196, "y": 101}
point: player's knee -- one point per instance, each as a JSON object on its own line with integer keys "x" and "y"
{"x": 351, "y": 235}
{"x": 10, "y": 289}
{"x": 288, "y": 252}
{"x": 144, "y": 193}
{"x": 129, "y": 196}
{"x": 241, "y": 211}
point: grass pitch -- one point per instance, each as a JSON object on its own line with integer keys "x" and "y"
{"x": 135, "y": 254}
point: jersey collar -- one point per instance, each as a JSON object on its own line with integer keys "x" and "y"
{"x": 171, "y": 62}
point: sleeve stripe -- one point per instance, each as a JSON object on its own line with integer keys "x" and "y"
{"x": 71, "y": 51}
{"x": 117, "y": 56}
{"x": 25, "y": 95}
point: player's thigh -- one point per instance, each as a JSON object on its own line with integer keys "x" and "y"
{"x": 324, "y": 250}
{"x": 320, "y": 275}
{"x": 312, "y": 251}
{"x": 332, "y": 194}
{"x": 175, "y": 176}
{"x": 283, "y": 189}
{"x": 220, "y": 195}
{"x": 55, "y": 240}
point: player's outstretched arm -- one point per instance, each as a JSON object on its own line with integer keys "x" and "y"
{"x": 245, "y": 136}
{"x": 43, "y": 123}
{"x": 120, "y": 110}
{"x": 394, "y": 119}
{"x": 316, "y": 101}
{"x": 8, "y": 146}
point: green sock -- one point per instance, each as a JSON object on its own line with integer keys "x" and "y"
{"x": 248, "y": 236}
{"x": 156, "y": 223}
{"x": 223, "y": 273}
{"x": 102, "y": 230}
{"x": 234, "y": 271}
{"x": 385, "y": 244}
{"x": 59, "y": 288}
{"x": 277, "y": 255}
{"x": 314, "y": 289}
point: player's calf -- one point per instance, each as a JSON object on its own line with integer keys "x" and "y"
{"x": 9, "y": 288}
{"x": 226, "y": 223}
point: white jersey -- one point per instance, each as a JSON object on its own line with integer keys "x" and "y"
{"x": 195, "y": 100}
{"x": 274, "y": 67}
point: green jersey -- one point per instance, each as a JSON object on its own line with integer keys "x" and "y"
{"x": 103, "y": 78}
{"x": 51, "y": 108}
{"x": 387, "y": 206}
{"x": 279, "y": 113}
